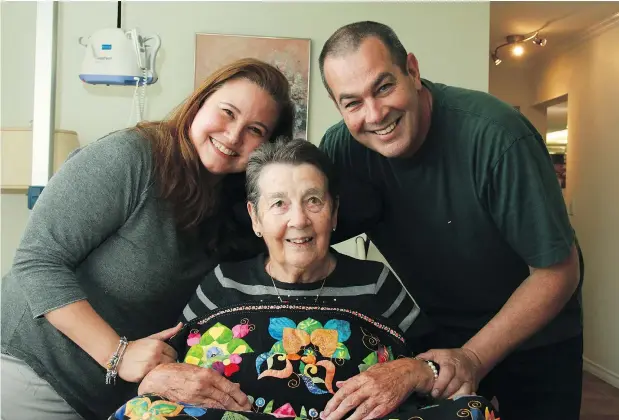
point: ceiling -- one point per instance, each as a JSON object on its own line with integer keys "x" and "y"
{"x": 558, "y": 21}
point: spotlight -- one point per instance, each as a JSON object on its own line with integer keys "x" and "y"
{"x": 496, "y": 59}
{"x": 539, "y": 41}
{"x": 518, "y": 50}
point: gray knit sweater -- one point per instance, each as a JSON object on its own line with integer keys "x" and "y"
{"x": 99, "y": 233}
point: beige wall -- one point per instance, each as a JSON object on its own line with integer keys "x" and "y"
{"x": 589, "y": 74}
{"x": 511, "y": 83}
{"x": 93, "y": 111}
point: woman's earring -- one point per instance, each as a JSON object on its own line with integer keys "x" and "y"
{"x": 258, "y": 234}
{"x": 333, "y": 229}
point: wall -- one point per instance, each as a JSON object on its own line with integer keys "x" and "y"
{"x": 510, "y": 82}
{"x": 588, "y": 74}
{"x": 93, "y": 111}
{"x": 17, "y": 21}
{"x": 176, "y": 59}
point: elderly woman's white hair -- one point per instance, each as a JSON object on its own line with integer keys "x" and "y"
{"x": 294, "y": 152}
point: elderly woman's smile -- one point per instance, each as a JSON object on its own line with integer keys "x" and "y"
{"x": 301, "y": 241}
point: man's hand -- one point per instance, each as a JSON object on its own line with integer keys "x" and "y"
{"x": 534, "y": 303}
{"x": 460, "y": 371}
{"x": 194, "y": 385}
{"x": 379, "y": 390}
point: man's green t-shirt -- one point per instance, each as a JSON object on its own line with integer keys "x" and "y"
{"x": 462, "y": 220}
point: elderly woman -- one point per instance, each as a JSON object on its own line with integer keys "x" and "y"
{"x": 300, "y": 331}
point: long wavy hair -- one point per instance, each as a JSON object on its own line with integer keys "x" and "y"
{"x": 194, "y": 193}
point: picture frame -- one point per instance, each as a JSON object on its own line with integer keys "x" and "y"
{"x": 292, "y": 56}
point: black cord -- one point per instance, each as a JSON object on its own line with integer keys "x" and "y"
{"x": 118, "y": 14}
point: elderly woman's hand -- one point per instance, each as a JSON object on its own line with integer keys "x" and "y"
{"x": 379, "y": 390}
{"x": 194, "y": 385}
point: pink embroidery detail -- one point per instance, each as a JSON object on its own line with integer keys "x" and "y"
{"x": 285, "y": 410}
{"x": 194, "y": 338}
{"x": 240, "y": 331}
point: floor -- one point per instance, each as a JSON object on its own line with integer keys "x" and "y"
{"x": 600, "y": 401}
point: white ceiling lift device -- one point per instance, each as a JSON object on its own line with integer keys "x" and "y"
{"x": 114, "y": 56}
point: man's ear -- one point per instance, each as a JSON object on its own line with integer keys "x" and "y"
{"x": 413, "y": 70}
{"x": 253, "y": 213}
{"x": 334, "y": 103}
{"x": 329, "y": 91}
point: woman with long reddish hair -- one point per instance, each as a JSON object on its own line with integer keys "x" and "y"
{"x": 120, "y": 238}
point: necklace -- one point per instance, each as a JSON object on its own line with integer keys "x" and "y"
{"x": 277, "y": 290}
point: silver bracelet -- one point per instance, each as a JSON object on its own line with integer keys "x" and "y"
{"x": 112, "y": 364}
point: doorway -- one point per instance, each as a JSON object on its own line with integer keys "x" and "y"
{"x": 557, "y": 137}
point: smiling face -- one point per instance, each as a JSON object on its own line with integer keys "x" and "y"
{"x": 295, "y": 214}
{"x": 378, "y": 102}
{"x": 233, "y": 121}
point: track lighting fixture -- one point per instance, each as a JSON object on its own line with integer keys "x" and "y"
{"x": 539, "y": 41}
{"x": 496, "y": 59}
{"x": 518, "y": 48}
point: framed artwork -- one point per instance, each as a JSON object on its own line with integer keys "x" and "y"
{"x": 290, "y": 55}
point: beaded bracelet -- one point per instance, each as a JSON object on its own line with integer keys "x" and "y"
{"x": 112, "y": 364}
{"x": 433, "y": 365}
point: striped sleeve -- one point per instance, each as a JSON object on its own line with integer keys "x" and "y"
{"x": 395, "y": 303}
{"x": 200, "y": 303}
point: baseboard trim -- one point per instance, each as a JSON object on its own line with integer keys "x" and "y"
{"x": 601, "y": 372}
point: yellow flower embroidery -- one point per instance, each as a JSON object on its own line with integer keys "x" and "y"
{"x": 143, "y": 409}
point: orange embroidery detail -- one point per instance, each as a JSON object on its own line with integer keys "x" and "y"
{"x": 294, "y": 340}
{"x": 326, "y": 340}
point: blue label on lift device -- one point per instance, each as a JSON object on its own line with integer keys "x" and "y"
{"x": 106, "y": 46}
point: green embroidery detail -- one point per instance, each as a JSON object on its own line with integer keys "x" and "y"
{"x": 218, "y": 348}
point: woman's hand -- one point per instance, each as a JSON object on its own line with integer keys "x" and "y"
{"x": 379, "y": 390}
{"x": 194, "y": 385}
{"x": 142, "y": 356}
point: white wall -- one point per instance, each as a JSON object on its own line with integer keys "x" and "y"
{"x": 589, "y": 74}
{"x": 433, "y": 31}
